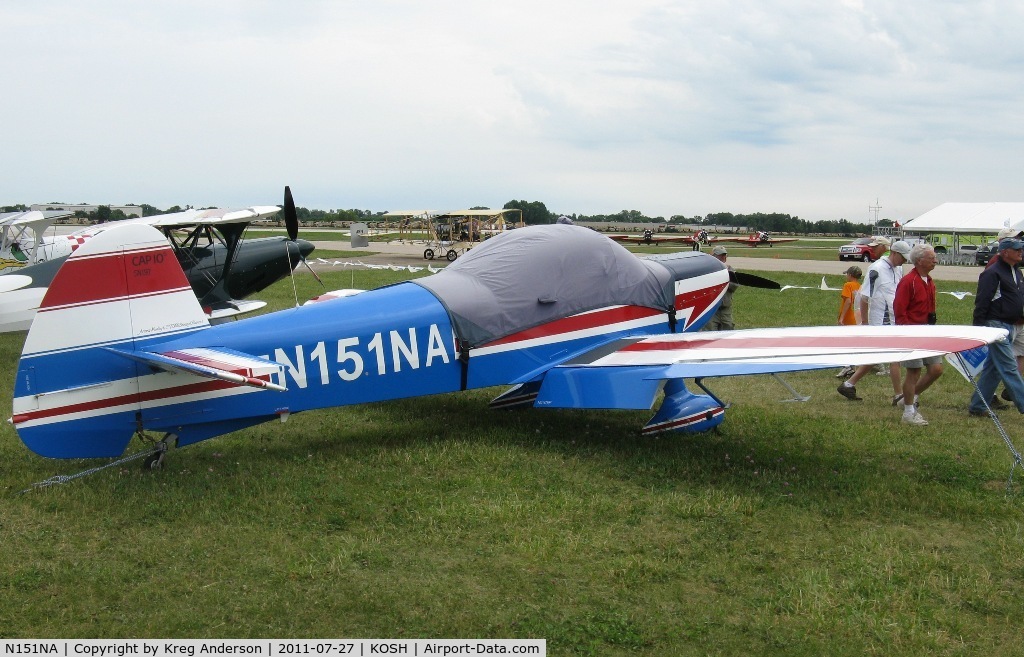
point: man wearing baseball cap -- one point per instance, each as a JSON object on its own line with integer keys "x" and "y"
{"x": 1000, "y": 303}
{"x": 880, "y": 240}
{"x": 877, "y": 297}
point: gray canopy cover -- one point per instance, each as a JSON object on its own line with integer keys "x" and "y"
{"x": 533, "y": 275}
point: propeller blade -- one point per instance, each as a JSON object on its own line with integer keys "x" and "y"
{"x": 291, "y": 218}
{"x": 750, "y": 280}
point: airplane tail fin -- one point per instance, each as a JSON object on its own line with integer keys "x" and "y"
{"x": 75, "y": 396}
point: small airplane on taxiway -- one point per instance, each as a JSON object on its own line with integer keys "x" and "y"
{"x": 563, "y": 315}
{"x": 757, "y": 238}
{"x": 651, "y": 237}
{"x": 701, "y": 237}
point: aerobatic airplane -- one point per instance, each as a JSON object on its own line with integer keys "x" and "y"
{"x": 564, "y": 315}
{"x": 651, "y": 237}
{"x": 758, "y": 238}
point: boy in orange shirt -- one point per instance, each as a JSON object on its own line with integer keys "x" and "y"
{"x": 848, "y": 306}
{"x": 847, "y": 314}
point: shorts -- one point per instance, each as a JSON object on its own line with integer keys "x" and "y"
{"x": 921, "y": 362}
{"x": 1018, "y": 343}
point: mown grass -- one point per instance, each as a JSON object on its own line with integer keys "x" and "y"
{"x": 797, "y": 529}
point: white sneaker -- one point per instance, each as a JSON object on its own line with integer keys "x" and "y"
{"x": 915, "y": 420}
{"x": 846, "y": 372}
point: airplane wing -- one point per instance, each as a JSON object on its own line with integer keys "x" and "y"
{"x": 191, "y": 217}
{"x": 686, "y": 239}
{"x": 752, "y": 280}
{"x": 749, "y": 241}
{"x": 215, "y": 216}
{"x": 654, "y": 239}
{"x": 224, "y": 364}
{"x": 11, "y": 282}
{"x": 629, "y": 373}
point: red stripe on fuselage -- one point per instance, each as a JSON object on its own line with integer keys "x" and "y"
{"x": 109, "y": 276}
{"x": 580, "y": 323}
{"x": 697, "y": 299}
{"x": 212, "y": 385}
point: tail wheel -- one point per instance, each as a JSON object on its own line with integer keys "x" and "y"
{"x": 154, "y": 462}
{"x": 451, "y": 255}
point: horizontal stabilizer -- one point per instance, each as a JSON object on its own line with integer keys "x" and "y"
{"x": 224, "y": 364}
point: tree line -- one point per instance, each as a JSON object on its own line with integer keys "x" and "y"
{"x": 536, "y": 212}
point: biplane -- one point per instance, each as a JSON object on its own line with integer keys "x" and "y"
{"x": 454, "y": 233}
{"x": 22, "y": 240}
{"x": 410, "y": 225}
{"x": 220, "y": 267}
{"x": 563, "y": 315}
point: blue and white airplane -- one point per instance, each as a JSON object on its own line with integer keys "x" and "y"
{"x": 570, "y": 319}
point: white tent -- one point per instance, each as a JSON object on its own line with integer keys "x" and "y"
{"x": 968, "y": 218}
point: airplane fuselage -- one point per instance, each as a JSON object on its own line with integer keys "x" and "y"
{"x": 390, "y": 343}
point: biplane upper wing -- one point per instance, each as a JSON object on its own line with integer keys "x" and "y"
{"x": 629, "y": 373}
{"x": 215, "y": 216}
{"x": 191, "y": 217}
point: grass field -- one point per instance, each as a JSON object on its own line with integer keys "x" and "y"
{"x": 794, "y": 529}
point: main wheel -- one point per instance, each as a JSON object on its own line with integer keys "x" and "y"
{"x": 451, "y": 255}
{"x": 428, "y": 254}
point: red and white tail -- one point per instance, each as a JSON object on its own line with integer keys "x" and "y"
{"x": 124, "y": 284}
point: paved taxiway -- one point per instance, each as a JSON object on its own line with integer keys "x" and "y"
{"x": 412, "y": 254}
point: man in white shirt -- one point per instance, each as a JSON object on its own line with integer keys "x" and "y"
{"x": 877, "y": 295}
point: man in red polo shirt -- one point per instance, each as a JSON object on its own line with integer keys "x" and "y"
{"x": 915, "y": 304}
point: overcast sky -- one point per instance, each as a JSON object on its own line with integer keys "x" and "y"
{"x": 814, "y": 108}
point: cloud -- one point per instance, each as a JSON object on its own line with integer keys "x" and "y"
{"x": 671, "y": 108}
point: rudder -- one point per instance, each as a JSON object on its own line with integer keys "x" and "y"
{"x": 74, "y": 398}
